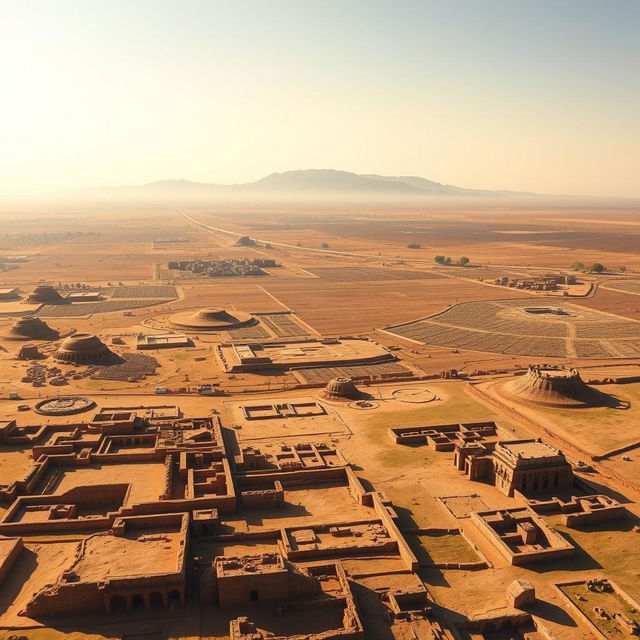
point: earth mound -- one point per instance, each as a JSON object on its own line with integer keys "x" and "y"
{"x": 82, "y": 347}
{"x": 553, "y": 387}
{"x": 31, "y": 328}
{"x": 342, "y": 388}
{"x": 44, "y": 294}
{"x": 212, "y": 319}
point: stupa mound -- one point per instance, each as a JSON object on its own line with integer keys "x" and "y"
{"x": 212, "y": 319}
{"x": 342, "y": 389}
{"x": 552, "y": 387}
{"x": 30, "y": 328}
{"x": 44, "y": 294}
{"x": 82, "y": 347}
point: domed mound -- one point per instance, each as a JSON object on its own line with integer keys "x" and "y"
{"x": 44, "y": 294}
{"x": 552, "y": 387}
{"x": 212, "y": 319}
{"x": 341, "y": 389}
{"x": 30, "y": 328}
{"x": 82, "y": 347}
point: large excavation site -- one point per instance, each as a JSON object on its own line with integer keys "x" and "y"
{"x": 250, "y": 424}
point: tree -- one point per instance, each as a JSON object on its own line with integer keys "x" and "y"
{"x": 578, "y": 266}
{"x": 440, "y": 259}
{"x": 245, "y": 241}
{"x": 596, "y": 267}
{"x": 622, "y": 269}
{"x": 413, "y": 245}
{"x": 324, "y": 245}
{"x": 448, "y": 260}
{"x": 464, "y": 261}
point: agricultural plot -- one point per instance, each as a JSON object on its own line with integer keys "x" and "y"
{"x": 614, "y": 329}
{"x": 504, "y": 326}
{"x": 373, "y": 371}
{"x": 591, "y": 349}
{"x": 255, "y": 331}
{"x": 144, "y": 291}
{"x": 487, "y": 316}
{"x": 369, "y": 274}
{"x": 282, "y": 326}
{"x": 626, "y": 286}
{"x": 91, "y": 308}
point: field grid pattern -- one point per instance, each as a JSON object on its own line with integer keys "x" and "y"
{"x": 373, "y": 371}
{"x": 370, "y": 274}
{"x": 505, "y": 327}
{"x": 626, "y": 286}
{"x": 282, "y": 326}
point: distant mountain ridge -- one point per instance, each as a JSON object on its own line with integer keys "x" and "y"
{"x": 307, "y": 183}
{"x": 327, "y": 181}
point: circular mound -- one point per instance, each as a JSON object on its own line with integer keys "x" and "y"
{"x": 551, "y": 387}
{"x": 414, "y": 396}
{"x": 82, "y": 347}
{"x": 212, "y": 319}
{"x": 341, "y": 389}
{"x": 30, "y": 328}
{"x": 44, "y": 293}
{"x": 64, "y": 405}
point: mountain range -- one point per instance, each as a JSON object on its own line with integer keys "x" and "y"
{"x": 313, "y": 185}
{"x": 322, "y": 181}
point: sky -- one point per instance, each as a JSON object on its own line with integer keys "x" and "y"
{"x": 535, "y": 95}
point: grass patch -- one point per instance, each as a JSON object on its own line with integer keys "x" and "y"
{"x": 441, "y": 548}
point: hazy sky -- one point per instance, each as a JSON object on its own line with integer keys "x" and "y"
{"x": 541, "y": 95}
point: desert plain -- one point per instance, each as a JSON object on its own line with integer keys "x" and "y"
{"x": 323, "y": 441}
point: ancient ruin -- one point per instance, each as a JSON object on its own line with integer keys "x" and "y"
{"x": 341, "y": 389}
{"x": 224, "y": 268}
{"x": 64, "y": 405}
{"x": 44, "y": 294}
{"x": 212, "y": 319}
{"x": 551, "y": 386}
{"x": 31, "y": 328}
{"x": 295, "y": 471}
{"x": 82, "y": 348}
{"x": 300, "y": 354}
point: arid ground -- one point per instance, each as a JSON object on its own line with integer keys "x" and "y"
{"x": 450, "y": 338}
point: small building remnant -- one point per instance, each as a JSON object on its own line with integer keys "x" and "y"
{"x": 29, "y": 352}
{"x": 521, "y": 536}
{"x": 164, "y": 341}
{"x": 10, "y": 293}
{"x": 521, "y": 593}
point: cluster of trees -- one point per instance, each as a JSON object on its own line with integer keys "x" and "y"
{"x": 596, "y": 267}
{"x": 463, "y": 261}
